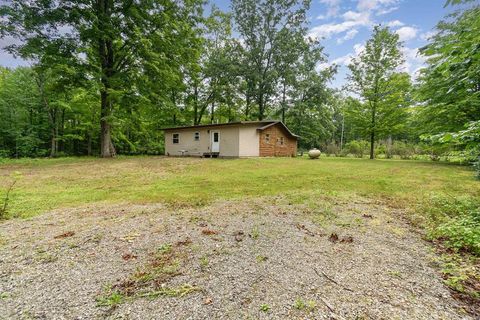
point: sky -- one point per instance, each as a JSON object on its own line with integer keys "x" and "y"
{"x": 343, "y": 26}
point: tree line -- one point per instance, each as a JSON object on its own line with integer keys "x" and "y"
{"x": 107, "y": 75}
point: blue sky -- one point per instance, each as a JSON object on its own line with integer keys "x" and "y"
{"x": 345, "y": 25}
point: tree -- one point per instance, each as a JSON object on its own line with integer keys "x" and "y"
{"x": 264, "y": 27}
{"x": 311, "y": 102}
{"x": 117, "y": 43}
{"x": 372, "y": 77}
{"x": 450, "y": 84}
{"x": 24, "y": 128}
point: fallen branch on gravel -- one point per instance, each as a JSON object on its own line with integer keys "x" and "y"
{"x": 330, "y": 279}
{"x": 329, "y": 306}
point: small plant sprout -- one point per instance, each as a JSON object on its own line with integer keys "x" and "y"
{"x": 6, "y": 194}
{"x": 261, "y": 258}
{"x": 255, "y": 234}
{"x": 264, "y": 307}
{"x": 164, "y": 248}
{"x": 301, "y": 304}
{"x": 112, "y": 300}
{"x": 204, "y": 262}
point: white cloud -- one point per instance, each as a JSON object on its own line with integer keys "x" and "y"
{"x": 348, "y": 36}
{"x": 376, "y": 5}
{"x": 413, "y": 61}
{"x": 333, "y": 7}
{"x": 407, "y": 33}
{"x": 362, "y": 18}
{"x": 386, "y": 11}
{"x": 427, "y": 35}
{"x": 358, "y": 48}
{"x": 351, "y": 20}
{"x": 347, "y": 59}
{"x": 394, "y": 23}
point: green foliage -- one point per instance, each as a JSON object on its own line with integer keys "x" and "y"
{"x": 384, "y": 91}
{"x": 111, "y": 300}
{"x": 449, "y": 85}
{"x": 455, "y": 222}
{"x": 265, "y": 307}
{"x": 356, "y": 147}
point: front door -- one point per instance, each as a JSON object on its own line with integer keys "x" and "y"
{"x": 215, "y": 141}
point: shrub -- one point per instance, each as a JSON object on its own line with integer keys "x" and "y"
{"x": 455, "y": 222}
{"x": 381, "y": 149}
{"x": 402, "y": 149}
{"x": 357, "y": 147}
{"x": 332, "y": 148}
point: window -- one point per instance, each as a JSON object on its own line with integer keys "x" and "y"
{"x": 215, "y": 137}
{"x": 176, "y": 138}
{"x": 281, "y": 141}
{"x": 267, "y": 138}
{"x": 196, "y": 136}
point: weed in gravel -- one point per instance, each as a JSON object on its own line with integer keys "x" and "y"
{"x": 461, "y": 274}
{"x": 3, "y": 241}
{"x": 261, "y": 258}
{"x": 97, "y": 238}
{"x": 4, "y": 295}
{"x": 255, "y": 233}
{"x": 180, "y": 291}
{"x": 303, "y": 305}
{"x": 265, "y": 307}
{"x": 44, "y": 256}
{"x": 395, "y": 273}
{"x": 111, "y": 300}
{"x": 323, "y": 214}
{"x": 164, "y": 248}
{"x": 150, "y": 280}
{"x": 73, "y": 245}
{"x": 204, "y": 262}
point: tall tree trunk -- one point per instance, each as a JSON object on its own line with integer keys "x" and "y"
{"x": 372, "y": 133}
{"x": 195, "y": 106}
{"x": 247, "y": 106}
{"x": 212, "y": 113}
{"x": 106, "y": 147}
{"x": 105, "y": 51}
{"x": 261, "y": 107}
{"x": 61, "y": 132}
{"x": 283, "y": 102}
{"x": 53, "y": 144}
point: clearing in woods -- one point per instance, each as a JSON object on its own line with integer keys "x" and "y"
{"x": 153, "y": 237}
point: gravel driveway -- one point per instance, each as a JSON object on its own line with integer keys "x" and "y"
{"x": 265, "y": 258}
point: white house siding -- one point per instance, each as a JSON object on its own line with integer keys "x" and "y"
{"x": 249, "y": 141}
{"x": 229, "y": 141}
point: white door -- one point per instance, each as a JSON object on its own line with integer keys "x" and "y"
{"x": 215, "y": 141}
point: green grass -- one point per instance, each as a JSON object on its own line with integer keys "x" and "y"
{"x": 46, "y": 184}
{"x": 440, "y": 197}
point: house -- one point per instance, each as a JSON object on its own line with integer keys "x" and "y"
{"x": 231, "y": 140}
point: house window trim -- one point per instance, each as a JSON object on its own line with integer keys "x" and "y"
{"x": 196, "y": 136}
{"x": 177, "y": 138}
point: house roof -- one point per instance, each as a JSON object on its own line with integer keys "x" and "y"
{"x": 262, "y": 125}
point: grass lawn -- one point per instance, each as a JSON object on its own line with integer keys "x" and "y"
{"x": 441, "y": 198}
{"x": 46, "y": 184}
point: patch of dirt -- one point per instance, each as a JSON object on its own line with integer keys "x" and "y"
{"x": 375, "y": 269}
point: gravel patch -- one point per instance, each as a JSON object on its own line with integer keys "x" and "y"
{"x": 264, "y": 258}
